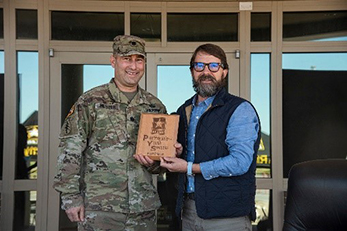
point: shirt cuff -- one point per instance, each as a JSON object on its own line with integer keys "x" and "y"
{"x": 70, "y": 201}
{"x": 207, "y": 170}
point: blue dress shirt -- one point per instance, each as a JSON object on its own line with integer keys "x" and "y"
{"x": 242, "y": 132}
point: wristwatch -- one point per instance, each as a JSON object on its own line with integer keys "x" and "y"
{"x": 190, "y": 169}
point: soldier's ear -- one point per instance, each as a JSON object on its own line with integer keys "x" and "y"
{"x": 113, "y": 61}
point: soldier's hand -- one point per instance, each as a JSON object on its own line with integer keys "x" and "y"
{"x": 75, "y": 214}
{"x": 173, "y": 164}
{"x": 144, "y": 160}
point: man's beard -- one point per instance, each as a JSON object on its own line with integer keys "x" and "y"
{"x": 208, "y": 89}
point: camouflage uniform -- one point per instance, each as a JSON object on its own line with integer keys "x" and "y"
{"x": 97, "y": 221}
{"x": 96, "y": 166}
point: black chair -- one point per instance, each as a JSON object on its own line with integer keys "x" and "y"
{"x": 317, "y": 196}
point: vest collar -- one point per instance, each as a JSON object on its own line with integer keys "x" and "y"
{"x": 218, "y": 100}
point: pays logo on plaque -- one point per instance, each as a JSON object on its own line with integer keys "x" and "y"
{"x": 157, "y": 135}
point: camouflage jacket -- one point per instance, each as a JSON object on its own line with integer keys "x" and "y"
{"x": 96, "y": 166}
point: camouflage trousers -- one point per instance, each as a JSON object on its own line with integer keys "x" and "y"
{"x": 109, "y": 221}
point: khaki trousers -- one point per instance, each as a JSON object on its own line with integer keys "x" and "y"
{"x": 191, "y": 221}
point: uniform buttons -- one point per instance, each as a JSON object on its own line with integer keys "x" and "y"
{"x": 132, "y": 119}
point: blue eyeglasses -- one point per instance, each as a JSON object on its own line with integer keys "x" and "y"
{"x": 213, "y": 67}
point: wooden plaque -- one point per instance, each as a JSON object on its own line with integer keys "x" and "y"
{"x": 157, "y": 135}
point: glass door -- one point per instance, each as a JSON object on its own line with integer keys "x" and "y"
{"x": 72, "y": 73}
{"x": 170, "y": 80}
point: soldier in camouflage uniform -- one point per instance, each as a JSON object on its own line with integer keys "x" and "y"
{"x": 102, "y": 185}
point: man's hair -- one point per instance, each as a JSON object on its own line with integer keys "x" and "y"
{"x": 210, "y": 49}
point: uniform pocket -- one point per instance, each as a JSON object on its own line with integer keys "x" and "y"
{"x": 109, "y": 129}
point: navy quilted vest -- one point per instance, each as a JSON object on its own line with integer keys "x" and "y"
{"x": 222, "y": 196}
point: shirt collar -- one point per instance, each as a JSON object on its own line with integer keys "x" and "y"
{"x": 206, "y": 102}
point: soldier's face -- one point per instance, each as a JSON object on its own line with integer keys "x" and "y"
{"x": 128, "y": 71}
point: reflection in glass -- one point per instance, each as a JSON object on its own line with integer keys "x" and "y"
{"x": 86, "y": 26}
{"x": 194, "y": 27}
{"x": 27, "y": 136}
{"x": 315, "y": 26}
{"x": 2, "y": 71}
{"x": 146, "y": 26}
{"x": 263, "y": 206}
{"x": 260, "y": 27}
{"x": 1, "y": 23}
{"x": 315, "y": 61}
{"x": 26, "y": 24}
{"x": 314, "y": 107}
{"x": 260, "y": 98}
{"x": 171, "y": 80}
{"x": 24, "y": 210}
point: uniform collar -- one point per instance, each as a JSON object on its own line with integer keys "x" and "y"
{"x": 119, "y": 97}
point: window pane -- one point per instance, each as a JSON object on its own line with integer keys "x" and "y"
{"x": 260, "y": 98}
{"x": 86, "y": 26}
{"x": 263, "y": 206}
{"x": 195, "y": 27}
{"x": 146, "y": 26}
{"x": 315, "y": 26}
{"x": 24, "y": 210}
{"x": 173, "y": 79}
{"x": 27, "y": 136}
{"x": 1, "y": 23}
{"x": 314, "y": 107}
{"x": 2, "y": 71}
{"x": 260, "y": 27}
{"x": 26, "y": 24}
{"x": 95, "y": 75}
{"x": 79, "y": 78}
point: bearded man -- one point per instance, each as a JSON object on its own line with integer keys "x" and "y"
{"x": 218, "y": 140}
